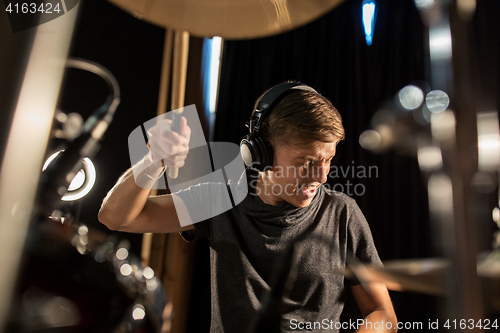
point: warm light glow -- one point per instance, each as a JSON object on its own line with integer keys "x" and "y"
{"x": 126, "y": 269}
{"x": 491, "y": 143}
{"x": 430, "y": 158}
{"x": 466, "y": 9}
{"x": 443, "y": 125}
{"x": 495, "y": 214}
{"x": 148, "y": 272}
{"x": 370, "y": 139}
{"x": 488, "y": 141}
{"x": 440, "y": 191}
{"x": 122, "y": 253}
{"x": 83, "y": 230}
{"x": 151, "y": 284}
{"x": 369, "y": 20}
{"x": 139, "y": 312}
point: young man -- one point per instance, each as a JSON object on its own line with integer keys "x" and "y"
{"x": 298, "y": 130}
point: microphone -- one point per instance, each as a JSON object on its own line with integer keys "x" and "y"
{"x": 56, "y": 178}
{"x": 67, "y": 126}
{"x": 268, "y": 318}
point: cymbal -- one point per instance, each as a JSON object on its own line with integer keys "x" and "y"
{"x": 230, "y": 19}
{"x": 427, "y": 276}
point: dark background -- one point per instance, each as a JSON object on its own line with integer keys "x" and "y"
{"x": 329, "y": 54}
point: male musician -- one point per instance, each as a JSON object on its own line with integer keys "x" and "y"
{"x": 300, "y": 130}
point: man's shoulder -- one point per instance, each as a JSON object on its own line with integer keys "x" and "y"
{"x": 337, "y": 198}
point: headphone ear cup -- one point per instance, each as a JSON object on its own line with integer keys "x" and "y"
{"x": 266, "y": 152}
{"x": 256, "y": 152}
{"x": 247, "y": 151}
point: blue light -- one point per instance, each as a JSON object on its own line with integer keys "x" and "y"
{"x": 210, "y": 68}
{"x": 369, "y": 19}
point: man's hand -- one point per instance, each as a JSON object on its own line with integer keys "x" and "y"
{"x": 167, "y": 146}
{"x": 128, "y": 206}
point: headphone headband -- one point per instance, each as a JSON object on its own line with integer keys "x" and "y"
{"x": 269, "y": 101}
{"x": 255, "y": 150}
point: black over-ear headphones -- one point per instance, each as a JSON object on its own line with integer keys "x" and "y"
{"x": 255, "y": 150}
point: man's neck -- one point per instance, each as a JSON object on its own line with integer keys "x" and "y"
{"x": 264, "y": 190}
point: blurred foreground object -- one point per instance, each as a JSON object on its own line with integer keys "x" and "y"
{"x": 27, "y": 141}
{"x": 436, "y": 121}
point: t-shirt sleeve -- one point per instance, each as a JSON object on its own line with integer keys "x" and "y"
{"x": 206, "y": 200}
{"x": 202, "y": 202}
{"x": 201, "y": 230}
{"x": 360, "y": 240}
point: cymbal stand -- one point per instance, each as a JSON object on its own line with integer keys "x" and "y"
{"x": 446, "y": 188}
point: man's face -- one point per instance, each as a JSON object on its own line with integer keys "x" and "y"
{"x": 298, "y": 170}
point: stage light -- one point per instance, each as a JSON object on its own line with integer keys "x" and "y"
{"x": 437, "y": 101}
{"x": 370, "y": 139}
{"x": 488, "y": 140}
{"x": 443, "y": 125}
{"x": 214, "y": 71}
{"x": 369, "y": 9}
{"x": 82, "y": 183}
{"x": 121, "y": 253}
{"x": 411, "y": 97}
{"x": 126, "y": 269}
{"x": 430, "y": 158}
{"x": 440, "y": 43}
{"x": 139, "y": 312}
{"x": 495, "y": 215}
{"x": 212, "y": 50}
{"x": 424, "y": 4}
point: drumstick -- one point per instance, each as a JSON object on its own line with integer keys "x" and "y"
{"x": 181, "y": 50}
{"x": 176, "y": 127}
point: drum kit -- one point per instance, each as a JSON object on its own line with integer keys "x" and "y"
{"x": 76, "y": 279}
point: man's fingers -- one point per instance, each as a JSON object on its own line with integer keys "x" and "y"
{"x": 169, "y": 146}
{"x": 174, "y": 162}
{"x": 174, "y": 138}
{"x": 169, "y": 151}
{"x": 185, "y": 129}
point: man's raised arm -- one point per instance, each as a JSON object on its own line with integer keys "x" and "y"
{"x": 128, "y": 206}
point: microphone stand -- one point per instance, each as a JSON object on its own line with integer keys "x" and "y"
{"x": 56, "y": 178}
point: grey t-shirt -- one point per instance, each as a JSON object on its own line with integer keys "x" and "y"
{"x": 246, "y": 241}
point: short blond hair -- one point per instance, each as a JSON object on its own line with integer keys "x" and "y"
{"x": 304, "y": 115}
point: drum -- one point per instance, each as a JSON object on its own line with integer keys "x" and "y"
{"x": 75, "y": 279}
